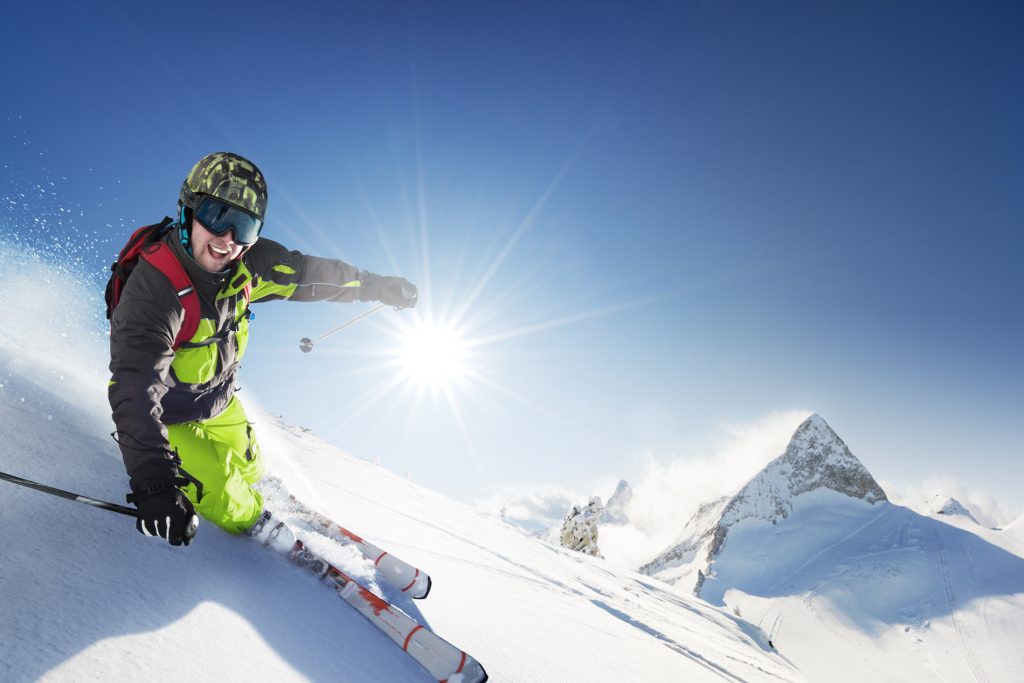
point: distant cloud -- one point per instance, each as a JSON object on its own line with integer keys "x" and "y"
{"x": 536, "y": 508}
{"x": 987, "y": 510}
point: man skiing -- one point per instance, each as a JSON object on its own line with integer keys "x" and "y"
{"x": 187, "y": 444}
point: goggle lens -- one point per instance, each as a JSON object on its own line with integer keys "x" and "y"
{"x": 218, "y": 217}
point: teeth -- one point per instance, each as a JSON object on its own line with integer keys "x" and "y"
{"x": 221, "y": 252}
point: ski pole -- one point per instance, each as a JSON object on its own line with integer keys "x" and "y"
{"x": 103, "y": 505}
{"x": 306, "y": 344}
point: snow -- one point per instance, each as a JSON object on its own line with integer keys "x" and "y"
{"x": 853, "y": 592}
{"x": 86, "y": 598}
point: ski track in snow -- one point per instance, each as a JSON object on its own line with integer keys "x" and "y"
{"x": 877, "y": 518}
{"x": 959, "y": 627}
{"x": 669, "y": 642}
{"x": 538, "y": 577}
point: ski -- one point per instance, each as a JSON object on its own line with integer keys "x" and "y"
{"x": 444, "y": 661}
{"x": 400, "y": 574}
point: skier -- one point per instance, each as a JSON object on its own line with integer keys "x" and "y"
{"x": 187, "y": 444}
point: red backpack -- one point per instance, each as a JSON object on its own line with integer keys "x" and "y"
{"x": 147, "y": 243}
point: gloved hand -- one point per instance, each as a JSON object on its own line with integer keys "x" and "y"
{"x": 167, "y": 514}
{"x": 398, "y": 292}
{"x": 388, "y": 289}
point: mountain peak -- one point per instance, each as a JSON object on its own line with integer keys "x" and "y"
{"x": 615, "y": 511}
{"x": 946, "y": 505}
{"x": 815, "y": 458}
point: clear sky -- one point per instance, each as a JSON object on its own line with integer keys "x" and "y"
{"x": 647, "y": 220}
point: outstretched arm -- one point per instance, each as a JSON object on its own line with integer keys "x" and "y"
{"x": 282, "y": 274}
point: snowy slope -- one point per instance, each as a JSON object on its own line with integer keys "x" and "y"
{"x": 850, "y": 591}
{"x": 83, "y": 597}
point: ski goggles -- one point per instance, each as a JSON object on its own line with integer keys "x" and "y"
{"x": 218, "y": 217}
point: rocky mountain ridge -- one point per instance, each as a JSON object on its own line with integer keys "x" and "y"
{"x": 815, "y": 458}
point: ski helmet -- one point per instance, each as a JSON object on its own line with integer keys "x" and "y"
{"x": 229, "y": 177}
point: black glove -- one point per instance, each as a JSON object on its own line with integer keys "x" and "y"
{"x": 388, "y": 289}
{"x": 167, "y": 514}
{"x": 398, "y": 292}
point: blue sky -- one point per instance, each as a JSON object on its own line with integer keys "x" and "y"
{"x": 656, "y": 220}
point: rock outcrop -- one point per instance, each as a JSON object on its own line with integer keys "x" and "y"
{"x": 579, "y": 530}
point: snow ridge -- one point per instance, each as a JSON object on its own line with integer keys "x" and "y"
{"x": 945, "y": 505}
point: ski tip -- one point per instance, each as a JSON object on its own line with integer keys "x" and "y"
{"x": 473, "y": 673}
{"x": 425, "y": 592}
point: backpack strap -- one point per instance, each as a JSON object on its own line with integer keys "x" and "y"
{"x": 126, "y": 260}
{"x": 160, "y": 256}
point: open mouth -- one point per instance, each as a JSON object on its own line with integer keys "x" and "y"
{"x": 217, "y": 252}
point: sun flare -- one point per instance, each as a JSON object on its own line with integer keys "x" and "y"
{"x": 434, "y": 356}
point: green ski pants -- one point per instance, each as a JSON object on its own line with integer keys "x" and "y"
{"x": 222, "y": 453}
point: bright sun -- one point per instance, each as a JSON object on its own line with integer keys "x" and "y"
{"x": 433, "y": 356}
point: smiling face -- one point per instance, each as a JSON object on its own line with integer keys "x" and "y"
{"x": 214, "y": 253}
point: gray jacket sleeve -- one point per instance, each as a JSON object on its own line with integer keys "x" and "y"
{"x": 142, "y": 332}
{"x": 292, "y": 275}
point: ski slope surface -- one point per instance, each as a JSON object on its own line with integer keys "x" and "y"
{"x": 852, "y": 592}
{"x": 850, "y": 587}
{"x": 84, "y": 597}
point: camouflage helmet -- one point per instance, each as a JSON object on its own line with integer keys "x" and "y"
{"x": 229, "y": 177}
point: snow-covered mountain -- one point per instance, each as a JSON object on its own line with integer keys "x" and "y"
{"x": 84, "y": 597}
{"x": 849, "y": 586}
{"x": 945, "y": 505}
{"x": 816, "y": 458}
